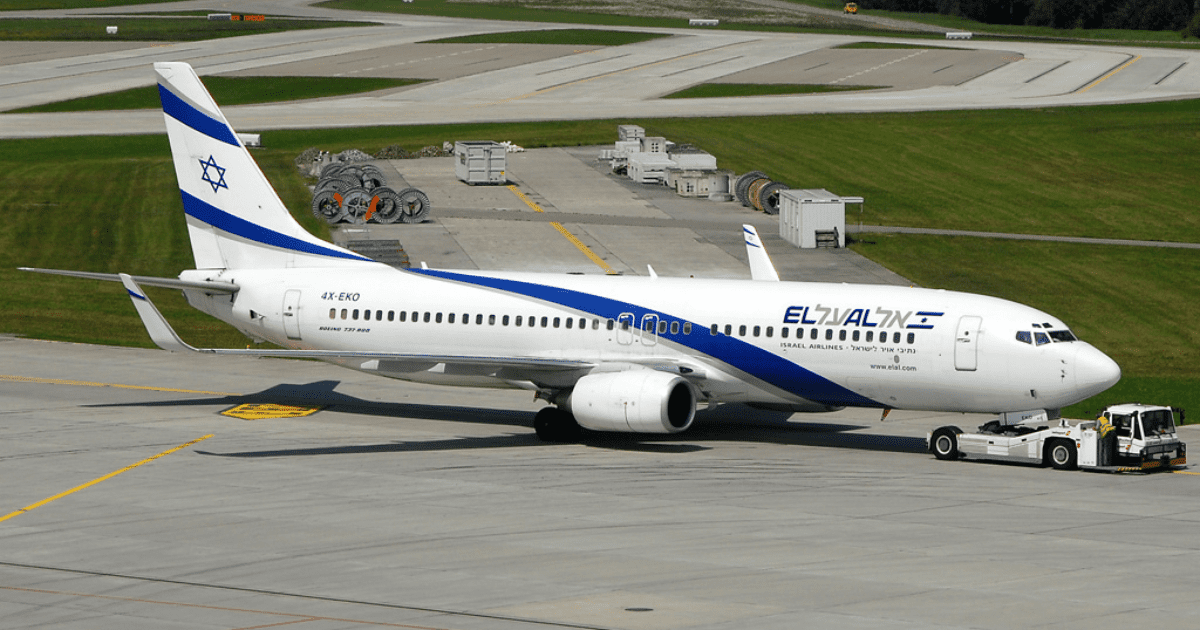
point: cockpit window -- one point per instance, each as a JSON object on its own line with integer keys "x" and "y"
{"x": 1062, "y": 335}
{"x": 1024, "y": 337}
{"x": 1040, "y": 337}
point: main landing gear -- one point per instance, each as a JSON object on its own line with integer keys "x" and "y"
{"x": 553, "y": 424}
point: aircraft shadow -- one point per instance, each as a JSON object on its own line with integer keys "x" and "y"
{"x": 727, "y": 423}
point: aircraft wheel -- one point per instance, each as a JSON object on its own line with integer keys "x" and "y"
{"x": 555, "y": 425}
{"x": 1062, "y": 455}
{"x": 945, "y": 443}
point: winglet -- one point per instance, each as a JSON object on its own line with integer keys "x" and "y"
{"x": 760, "y": 263}
{"x": 160, "y": 331}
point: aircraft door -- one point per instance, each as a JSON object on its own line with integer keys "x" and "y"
{"x": 625, "y": 329}
{"x": 649, "y": 329}
{"x": 966, "y": 343}
{"x": 291, "y": 314}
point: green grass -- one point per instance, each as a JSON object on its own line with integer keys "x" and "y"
{"x": 30, "y": 5}
{"x": 230, "y": 91}
{"x": 149, "y": 29}
{"x": 888, "y": 45}
{"x": 716, "y": 90}
{"x": 1123, "y": 171}
{"x": 564, "y": 36}
{"x": 1135, "y": 304}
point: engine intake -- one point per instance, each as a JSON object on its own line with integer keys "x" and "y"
{"x": 635, "y": 401}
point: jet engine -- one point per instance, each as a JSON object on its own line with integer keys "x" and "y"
{"x": 635, "y": 401}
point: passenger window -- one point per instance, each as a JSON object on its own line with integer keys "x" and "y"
{"x": 882, "y": 337}
{"x": 491, "y": 320}
{"x": 546, "y": 322}
{"x": 1040, "y": 338}
{"x": 770, "y": 331}
{"x": 870, "y": 335}
{"x": 712, "y": 330}
{"x": 354, "y": 314}
{"x": 533, "y": 321}
{"x": 416, "y": 317}
{"x": 674, "y": 328}
{"x": 757, "y": 330}
{"x": 570, "y": 322}
{"x": 812, "y": 334}
{"x": 912, "y": 337}
{"x": 392, "y": 317}
{"x": 426, "y": 319}
{"x": 842, "y": 335}
{"x": 517, "y": 322}
{"x": 504, "y": 320}
{"x": 896, "y": 337}
{"x": 344, "y": 311}
{"x": 450, "y": 318}
{"x": 783, "y": 332}
{"x": 556, "y": 322}
{"x": 854, "y": 336}
{"x": 742, "y": 330}
{"x": 687, "y": 328}
{"x": 367, "y": 315}
{"x": 828, "y": 334}
{"x": 466, "y": 318}
{"x": 332, "y": 313}
{"x": 611, "y": 324}
{"x": 438, "y": 318}
{"x": 582, "y": 323}
{"x": 378, "y": 316}
{"x": 403, "y": 316}
{"x": 595, "y": 324}
{"x": 662, "y": 326}
{"x": 479, "y": 319}
{"x": 728, "y": 330}
{"x": 1024, "y": 336}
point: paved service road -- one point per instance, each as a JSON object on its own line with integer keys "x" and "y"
{"x": 513, "y": 83}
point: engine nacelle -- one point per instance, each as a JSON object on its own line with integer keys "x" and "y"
{"x": 634, "y": 401}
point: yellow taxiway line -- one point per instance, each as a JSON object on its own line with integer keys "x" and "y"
{"x": 1106, "y": 77}
{"x": 60, "y": 381}
{"x": 99, "y": 479}
{"x": 567, "y": 233}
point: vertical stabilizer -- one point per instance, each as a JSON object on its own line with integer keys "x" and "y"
{"x": 761, "y": 267}
{"x": 235, "y": 219}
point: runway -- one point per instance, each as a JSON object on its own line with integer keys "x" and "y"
{"x": 515, "y": 83}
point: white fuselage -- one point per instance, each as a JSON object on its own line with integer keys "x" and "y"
{"x": 807, "y": 346}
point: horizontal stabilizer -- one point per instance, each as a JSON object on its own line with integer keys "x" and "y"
{"x": 208, "y": 286}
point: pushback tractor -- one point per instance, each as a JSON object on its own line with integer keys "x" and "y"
{"x": 1124, "y": 438}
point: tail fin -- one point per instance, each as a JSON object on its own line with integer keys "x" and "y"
{"x": 235, "y": 219}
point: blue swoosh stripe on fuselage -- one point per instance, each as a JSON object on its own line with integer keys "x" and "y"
{"x": 185, "y": 113}
{"x": 757, "y": 362}
{"x": 226, "y": 222}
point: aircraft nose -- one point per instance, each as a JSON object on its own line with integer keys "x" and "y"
{"x": 1094, "y": 371}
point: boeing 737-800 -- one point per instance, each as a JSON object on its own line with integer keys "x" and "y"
{"x": 610, "y": 353}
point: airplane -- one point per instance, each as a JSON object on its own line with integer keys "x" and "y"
{"x": 632, "y": 354}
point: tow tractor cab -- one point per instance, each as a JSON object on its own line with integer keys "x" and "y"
{"x": 1125, "y": 438}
